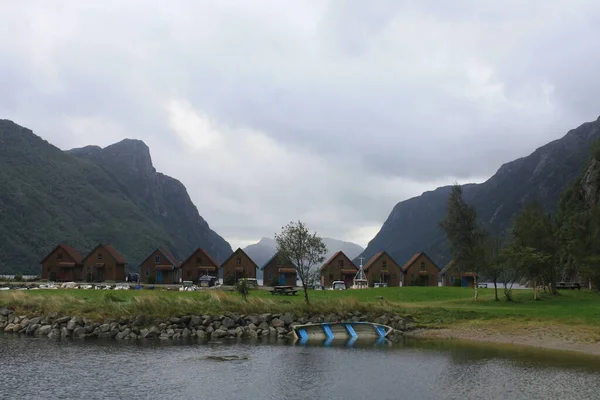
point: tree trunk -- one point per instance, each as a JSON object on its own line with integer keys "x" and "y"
{"x": 476, "y": 287}
{"x": 496, "y": 289}
{"x": 534, "y": 289}
{"x": 305, "y": 293}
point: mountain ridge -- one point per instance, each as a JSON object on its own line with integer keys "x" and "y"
{"x": 51, "y": 196}
{"x": 541, "y": 176}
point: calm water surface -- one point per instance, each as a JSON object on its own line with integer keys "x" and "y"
{"x": 39, "y": 368}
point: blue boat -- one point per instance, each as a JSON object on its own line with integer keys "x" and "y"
{"x": 344, "y": 331}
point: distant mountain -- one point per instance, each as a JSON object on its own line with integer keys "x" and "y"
{"x": 91, "y": 195}
{"x": 412, "y": 225}
{"x": 263, "y": 250}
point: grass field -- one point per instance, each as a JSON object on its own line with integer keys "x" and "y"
{"x": 430, "y": 306}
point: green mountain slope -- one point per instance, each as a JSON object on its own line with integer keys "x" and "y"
{"x": 49, "y": 196}
{"x": 412, "y": 225}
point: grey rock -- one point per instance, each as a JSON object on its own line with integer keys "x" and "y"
{"x": 288, "y": 318}
{"x": 264, "y": 326}
{"x": 9, "y": 327}
{"x": 64, "y": 332}
{"x": 254, "y": 319}
{"x": 185, "y": 319}
{"x": 272, "y": 331}
{"x": 43, "y": 330}
{"x": 34, "y": 321}
{"x": 177, "y": 336}
{"x": 174, "y": 320}
{"x": 265, "y": 317}
{"x": 228, "y": 323}
{"x": 231, "y": 332}
{"x": 5, "y": 312}
{"x": 31, "y": 328}
{"x": 62, "y": 320}
{"x": 195, "y": 321}
{"x": 219, "y": 333}
{"x": 185, "y": 333}
{"x": 72, "y": 324}
{"x": 162, "y": 326}
{"x": 79, "y": 332}
{"x": 252, "y": 334}
{"x": 54, "y": 334}
{"x": 216, "y": 324}
{"x": 281, "y": 331}
{"x": 170, "y": 333}
{"x": 239, "y": 331}
{"x": 252, "y": 327}
{"x": 201, "y": 335}
{"x": 277, "y": 323}
{"x": 104, "y": 328}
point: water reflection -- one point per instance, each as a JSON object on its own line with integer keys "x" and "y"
{"x": 36, "y": 368}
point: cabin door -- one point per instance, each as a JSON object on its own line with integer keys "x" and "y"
{"x": 282, "y": 279}
{"x": 159, "y": 276}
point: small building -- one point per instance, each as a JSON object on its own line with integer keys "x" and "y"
{"x": 420, "y": 270}
{"x": 279, "y": 272}
{"x": 338, "y": 268}
{"x": 238, "y": 265}
{"x": 382, "y": 268}
{"x": 160, "y": 267}
{"x": 197, "y": 265}
{"x": 62, "y": 264}
{"x": 104, "y": 263}
{"x": 451, "y": 276}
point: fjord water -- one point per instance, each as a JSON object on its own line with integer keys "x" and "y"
{"x": 39, "y": 368}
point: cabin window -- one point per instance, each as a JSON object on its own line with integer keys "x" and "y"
{"x": 157, "y": 259}
{"x": 198, "y": 260}
{"x": 451, "y": 278}
{"x": 279, "y": 261}
{"x": 99, "y": 256}
{"x": 147, "y": 272}
{"x": 239, "y": 261}
{"x": 422, "y": 266}
{"x": 330, "y": 277}
{"x": 270, "y": 275}
{"x": 384, "y": 265}
{"x": 340, "y": 263}
{"x": 59, "y": 256}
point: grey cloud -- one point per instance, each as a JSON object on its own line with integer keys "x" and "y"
{"x": 426, "y": 92}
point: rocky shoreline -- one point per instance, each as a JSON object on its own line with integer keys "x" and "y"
{"x": 201, "y": 327}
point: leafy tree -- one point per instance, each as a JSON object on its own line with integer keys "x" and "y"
{"x": 493, "y": 262}
{"x": 535, "y": 236}
{"x": 304, "y": 250}
{"x": 467, "y": 239}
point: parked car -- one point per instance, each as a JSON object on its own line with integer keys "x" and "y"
{"x": 132, "y": 277}
{"x": 338, "y": 285}
{"x": 380, "y": 284}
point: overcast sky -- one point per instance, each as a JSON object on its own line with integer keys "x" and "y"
{"x": 325, "y": 111}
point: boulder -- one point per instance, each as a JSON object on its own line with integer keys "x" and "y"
{"x": 31, "y": 328}
{"x": 288, "y": 318}
{"x": 185, "y": 333}
{"x": 34, "y": 321}
{"x": 79, "y": 332}
{"x": 9, "y": 327}
{"x": 228, "y": 323}
{"x": 252, "y": 334}
{"x": 277, "y": 323}
{"x": 219, "y": 333}
{"x": 73, "y": 323}
{"x": 264, "y": 326}
{"x": 239, "y": 331}
{"x": 5, "y": 312}
{"x": 201, "y": 335}
{"x": 264, "y": 317}
{"x": 62, "y": 320}
{"x": 281, "y": 331}
{"x": 174, "y": 320}
{"x": 104, "y": 328}
{"x": 43, "y": 330}
{"x": 64, "y": 332}
{"x": 54, "y": 334}
{"x": 216, "y": 324}
{"x": 195, "y": 321}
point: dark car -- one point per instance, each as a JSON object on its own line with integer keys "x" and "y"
{"x": 133, "y": 277}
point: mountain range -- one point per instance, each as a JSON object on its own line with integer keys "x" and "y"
{"x": 90, "y": 195}
{"x": 412, "y": 226}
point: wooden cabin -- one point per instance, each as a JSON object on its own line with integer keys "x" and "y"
{"x": 160, "y": 267}
{"x": 62, "y": 264}
{"x": 197, "y": 265}
{"x": 279, "y": 272}
{"x": 104, "y": 263}
{"x": 338, "y": 268}
{"x": 451, "y": 276}
{"x": 238, "y": 265}
{"x": 420, "y": 270}
{"x": 382, "y": 268}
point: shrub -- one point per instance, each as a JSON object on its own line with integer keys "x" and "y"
{"x": 457, "y": 283}
{"x": 18, "y": 278}
{"x": 229, "y": 280}
{"x": 274, "y": 282}
{"x": 150, "y": 280}
{"x": 112, "y": 297}
{"x": 243, "y": 288}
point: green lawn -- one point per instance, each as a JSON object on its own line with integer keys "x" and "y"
{"x": 430, "y": 306}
